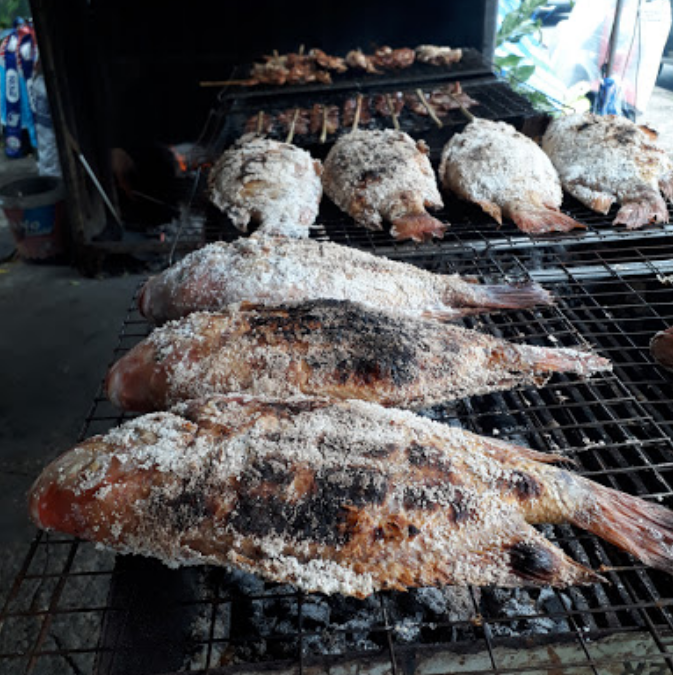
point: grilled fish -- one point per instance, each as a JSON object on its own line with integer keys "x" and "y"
{"x": 375, "y": 175}
{"x": 274, "y": 185}
{"x": 337, "y": 497}
{"x": 333, "y": 348}
{"x": 271, "y": 271}
{"x": 506, "y": 174}
{"x": 608, "y": 159}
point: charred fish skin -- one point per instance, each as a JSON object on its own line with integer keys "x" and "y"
{"x": 606, "y": 159}
{"x": 384, "y": 175}
{"x": 272, "y": 184}
{"x": 336, "y": 497}
{"x": 506, "y": 174}
{"x": 275, "y": 270}
{"x": 333, "y": 348}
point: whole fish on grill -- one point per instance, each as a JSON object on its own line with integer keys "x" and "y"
{"x": 337, "y": 497}
{"x": 333, "y": 348}
{"x": 273, "y": 270}
{"x": 377, "y": 175}
{"x": 606, "y": 159}
{"x": 275, "y": 185}
{"x": 506, "y": 174}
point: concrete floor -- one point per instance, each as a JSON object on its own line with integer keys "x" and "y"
{"x": 57, "y": 334}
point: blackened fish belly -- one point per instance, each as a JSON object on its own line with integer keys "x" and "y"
{"x": 274, "y": 270}
{"x": 331, "y": 348}
{"x": 337, "y": 497}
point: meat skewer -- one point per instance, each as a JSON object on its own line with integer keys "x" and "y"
{"x": 393, "y": 114}
{"x": 336, "y": 497}
{"x": 438, "y": 56}
{"x": 275, "y": 185}
{"x": 272, "y": 271}
{"x": 290, "y": 133}
{"x": 428, "y": 107}
{"x": 333, "y": 348}
{"x": 506, "y": 174}
{"x": 604, "y": 160}
{"x": 377, "y": 175}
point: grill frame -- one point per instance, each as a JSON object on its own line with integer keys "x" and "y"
{"x": 600, "y": 278}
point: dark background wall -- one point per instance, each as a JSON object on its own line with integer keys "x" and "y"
{"x": 123, "y": 73}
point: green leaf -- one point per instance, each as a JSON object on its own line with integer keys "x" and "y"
{"x": 523, "y": 73}
{"x": 509, "y": 61}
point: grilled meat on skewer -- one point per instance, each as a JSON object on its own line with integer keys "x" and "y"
{"x": 302, "y": 120}
{"x": 334, "y": 63}
{"x": 606, "y": 159}
{"x": 333, "y": 348}
{"x": 336, "y": 497}
{"x": 358, "y": 60}
{"x": 275, "y": 270}
{"x": 350, "y": 107}
{"x": 450, "y": 97}
{"x": 383, "y": 102}
{"x": 276, "y": 185}
{"x": 505, "y": 173}
{"x": 438, "y": 56}
{"x": 261, "y": 123}
{"x": 318, "y": 118}
{"x": 376, "y": 175}
{"x": 389, "y": 59}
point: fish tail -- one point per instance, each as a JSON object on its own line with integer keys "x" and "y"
{"x": 417, "y": 226}
{"x": 540, "y": 220}
{"x": 648, "y": 207}
{"x": 643, "y": 529}
{"x": 550, "y": 360}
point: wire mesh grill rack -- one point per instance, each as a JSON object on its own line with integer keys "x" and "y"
{"x": 76, "y": 609}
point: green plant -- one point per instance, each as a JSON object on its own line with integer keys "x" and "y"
{"x": 516, "y": 25}
{"x": 10, "y": 9}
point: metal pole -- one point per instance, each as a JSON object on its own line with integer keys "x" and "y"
{"x": 614, "y": 37}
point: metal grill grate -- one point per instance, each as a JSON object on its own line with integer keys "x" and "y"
{"x": 75, "y": 609}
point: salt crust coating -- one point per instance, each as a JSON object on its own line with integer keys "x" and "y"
{"x": 276, "y": 185}
{"x": 343, "y": 497}
{"x": 329, "y": 348}
{"x": 605, "y": 158}
{"x": 380, "y": 174}
{"x": 271, "y": 271}
{"x": 491, "y": 162}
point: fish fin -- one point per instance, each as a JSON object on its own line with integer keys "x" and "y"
{"x": 509, "y": 296}
{"x": 417, "y": 226}
{"x": 540, "y": 220}
{"x": 666, "y": 186}
{"x": 507, "y": 452}
{"x": 601, "y": 202}
{"x": 554, "y": 360}
{"x": 538, "y": 562}
{"x": 643, "y": 529}
{"x": 649, "y": 132}
{"x": 493, "y": 210}
{"x": 648, "y": 208}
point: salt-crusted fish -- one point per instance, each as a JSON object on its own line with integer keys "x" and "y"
{"x": 274, "y": 185}
{"x": 331, "y": 348}
{"x": 384, "y": 175}
{"x": 506, "y": 174}
{"x": 271, "y": 271}
{"x": 603, "y": 159}
{"x": 344, "y": 497}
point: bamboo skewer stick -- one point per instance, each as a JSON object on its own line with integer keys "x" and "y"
{"x": 301, "y": 50}
{"x": 463, "y": 109}
{"x": 358, "y": 108}
{"x": 393, "y": 114}
{"x": 323, "y": 133}
{"x": 428, "y": 107}
{"x": 260, "y": 121}
{"x": 290, "y": 133}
